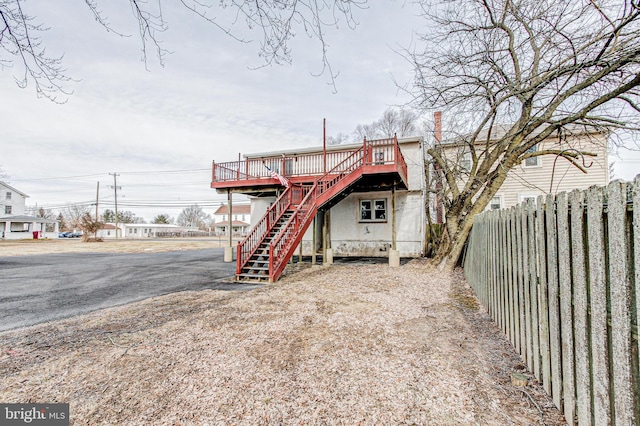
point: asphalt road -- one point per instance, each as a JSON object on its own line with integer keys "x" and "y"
{"x": 41, "y": 288}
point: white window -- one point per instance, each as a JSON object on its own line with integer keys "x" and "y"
{"x": 496, "y": 203}
{"x": 130, "y": 231}
{"x": 465, "y": 161}
{"x": 108, "y": 232}
{"x": 373, "y": 210}
{"x": 525, "y": 197}
{"x": 532, "y": 161}
{"x": 224, "y": 217}
{"x": 7, "y": 209}
{"x": 8, "y": 195}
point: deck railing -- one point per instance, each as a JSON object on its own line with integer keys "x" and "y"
{"x": 252, "y": 241}
{"x": 378, "y": 152}
{"x": 284, "y": 244}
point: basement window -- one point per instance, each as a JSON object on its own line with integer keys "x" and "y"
{"x": 373, "y": 210}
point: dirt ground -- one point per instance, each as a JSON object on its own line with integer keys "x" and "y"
{"x": 346, "y": 344}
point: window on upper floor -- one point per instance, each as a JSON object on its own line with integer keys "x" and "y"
{"x": 532, "y": 161}
{"x": 7, "y": 209}
{"x": 373, "y": 210}
{"x": 8, "y": 197}
{"x": 496, "y": 203}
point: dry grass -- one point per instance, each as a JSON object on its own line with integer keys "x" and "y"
{"x": 356, "y": 344}
{"x": 76, "y": 245}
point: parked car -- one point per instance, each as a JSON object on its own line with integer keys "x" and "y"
{"x": 63, "y": 234}
{"x": 74, "y": 235}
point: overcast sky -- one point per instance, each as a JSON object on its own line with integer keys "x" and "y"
{"x": 160, "y": 128}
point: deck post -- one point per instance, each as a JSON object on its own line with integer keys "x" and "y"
{"x": 394, "y": 254}
{"x": 228, "y": 251}
{"x": 313, "y": 241}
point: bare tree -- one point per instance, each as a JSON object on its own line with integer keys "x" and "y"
{"x": 90, "y": 226}
{"x": 542, "y": 66}
{"x": 193, "y": 217}
{"x": 401, "y": 122}
{"x": 277, "y": 22}
{"x": 73, "y": 214}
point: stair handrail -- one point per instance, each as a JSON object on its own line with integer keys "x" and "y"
{"x": 256, "y": 235}
{"x": 295, "y": 224}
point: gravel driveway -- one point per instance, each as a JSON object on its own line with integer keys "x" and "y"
{"x": 348, "y": 344}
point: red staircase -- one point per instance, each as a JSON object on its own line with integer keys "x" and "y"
{"x": 264, "y": 253}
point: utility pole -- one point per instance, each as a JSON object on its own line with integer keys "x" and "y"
{"x": 97, "y": 198}
{"x": 115, "y": 189}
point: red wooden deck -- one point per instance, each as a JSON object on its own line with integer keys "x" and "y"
{"x": 382, "y": 157}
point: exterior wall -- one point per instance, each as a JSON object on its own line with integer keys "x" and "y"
{"x": 24, "y": 230}
{"x": 530, "y": 181}
{"x": 17, "y": 201}
{"x": 259, "y": 206}
{"x": 523, "y": 181}
{"x": 352, "y": 237}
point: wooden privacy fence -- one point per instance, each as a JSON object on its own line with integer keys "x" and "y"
{"x": 561, "y": 278}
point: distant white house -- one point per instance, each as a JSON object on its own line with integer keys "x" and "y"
{"x": 15, "y": 224}
{"x": 240, "y": 219}
{"x": 140, "y": 230}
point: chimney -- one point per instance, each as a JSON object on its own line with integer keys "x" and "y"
{"x": 437, "y": 120}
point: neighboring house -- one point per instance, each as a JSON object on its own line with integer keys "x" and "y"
{"x": 369, "y": 202}
{"x": 140, "y": 230}
{"x": 545, "y": 174}
{"x": 107, "y": 231}
{"x": 240, "y": 219}
{"x": 15, "y": 224}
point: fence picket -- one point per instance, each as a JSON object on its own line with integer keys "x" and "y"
{"x": 526, "y": 286}
{"x": 543, "y": 302}
{"x": 581, "y": 308}
{"x": 515, "y": 289}
{"x": 554, "y": 308}
{"x": 598, "y": 299}
{"x": 521, "y": 279}
{"x": 566, "y": 315}
{"x": 635, "y": 193}
{"x": 620, "y": 304}
{"x": 533, "y": 287}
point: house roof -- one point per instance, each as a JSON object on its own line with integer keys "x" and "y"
{"x": 108, "y": 226}
{"x": 6, "y": 185}
{"x": 499, "y": 130}
{"x": 25, "y": 218}
{"x": 235, "y": 209}
{"x": 340, "y": 147}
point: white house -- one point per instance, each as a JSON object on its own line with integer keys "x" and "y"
{"x": 15, "y": 224}
{"x": 140, "y": 230}
{"x": 240, "y": 219}
{"x": 364, "y": 199}
{"x": 539, "y": 175}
